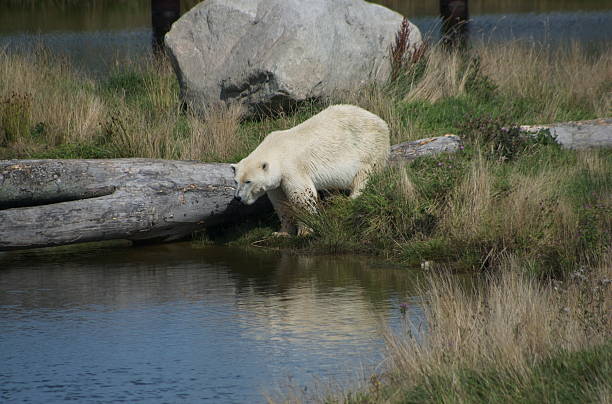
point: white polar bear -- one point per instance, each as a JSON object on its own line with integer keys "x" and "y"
{"x": 333, "y": 150}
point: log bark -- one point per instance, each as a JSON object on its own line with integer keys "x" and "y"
{"x": 577, "y": 135}
{"x": 54, "y": 202}
{"x": 408, "y": 151}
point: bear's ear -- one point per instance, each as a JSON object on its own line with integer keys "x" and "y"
{"x": 264, "y": 166}
{"x": 233, "y": 168}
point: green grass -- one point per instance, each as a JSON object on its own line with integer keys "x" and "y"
{"x": 567, "y": 377}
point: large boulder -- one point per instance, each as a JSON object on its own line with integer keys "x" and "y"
{"x": 270, "y": 53}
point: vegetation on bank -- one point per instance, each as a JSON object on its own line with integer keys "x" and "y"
{"x": 501, "y": 194}
{"x": 514, "y": 341}
{"x": 51, "y": 110}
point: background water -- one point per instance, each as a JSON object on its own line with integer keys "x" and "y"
{"x": 96, "y": 34}
{"x": 176, "y": 323}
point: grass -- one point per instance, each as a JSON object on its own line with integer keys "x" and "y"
{"x": 136, "y": 110}
{"x": 516, "y": 340}
{"x": 566, "y": 377}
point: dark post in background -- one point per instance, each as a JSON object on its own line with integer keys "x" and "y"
{"x": 455, "y": 27}
{"x": 163, "y": 14}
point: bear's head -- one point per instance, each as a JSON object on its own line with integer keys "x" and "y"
{"x": 254, "y": 178}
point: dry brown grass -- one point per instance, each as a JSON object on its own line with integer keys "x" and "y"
{"x": 214, "y": 136}
{"x": 509, "y": 325}
{"x": 468, "y": 209}
{"x": 35, "y": 89}
{"x": 445, "y": 75}
{"x": 534, "y": 212}
{"x": 136, "y": 112}
{"x": 558, "y": 78}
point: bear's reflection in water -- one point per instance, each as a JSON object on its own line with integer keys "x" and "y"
{"x": 202, "y": 321}
{"x": 120, "y": 275}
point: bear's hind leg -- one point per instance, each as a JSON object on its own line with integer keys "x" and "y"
{"x": 359, "y": 182}
{"x": 283, "y": 211}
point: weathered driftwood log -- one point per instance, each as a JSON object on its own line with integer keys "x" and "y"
{"x": 424, "y": 147}
{"x": 577, "y": 135}
{"x": 54, "y": 202}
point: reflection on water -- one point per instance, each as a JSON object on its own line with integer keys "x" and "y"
{"x": 97, "y": 33}
{"x": 100, "y": 15}
{"x": 159, "y": 324}
{"x": 420, "y": 8}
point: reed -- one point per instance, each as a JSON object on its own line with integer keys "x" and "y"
{"x": 504, "y": 331}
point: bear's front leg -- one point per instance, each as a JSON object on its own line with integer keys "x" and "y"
{"x": 302, "y": 195}
{"x": 283, "y": 211}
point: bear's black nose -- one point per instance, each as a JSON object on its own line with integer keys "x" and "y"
{"x": 238, "y": 198}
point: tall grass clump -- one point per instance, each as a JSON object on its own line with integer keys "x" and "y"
{"x": 562, "y": 80}
{"x": 48, "y": 109}
{"x": 215, "y": 135}
{"x": 511, "y": 340}
{"x": 44, "y": 101}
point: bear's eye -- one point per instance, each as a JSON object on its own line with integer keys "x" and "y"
{"x": 247, "y": 182}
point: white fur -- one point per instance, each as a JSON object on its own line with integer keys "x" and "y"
{"x": 333, "y": 150}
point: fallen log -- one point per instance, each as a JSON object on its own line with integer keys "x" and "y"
{"x": 577, "y": 135}
{"x": 54, "y": 202}
{"x": 407, "y": 151}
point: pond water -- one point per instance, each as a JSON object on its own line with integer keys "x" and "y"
{"x": 177, "y": 323}
{"x": 96, "y": 33}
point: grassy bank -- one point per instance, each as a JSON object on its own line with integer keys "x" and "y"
{"x": 499, "y": 195}
{"x": 515, "y": 340}
{"x": 546, "y": 204}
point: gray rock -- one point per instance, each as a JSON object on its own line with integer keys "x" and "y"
{"x": 266, "y": 53}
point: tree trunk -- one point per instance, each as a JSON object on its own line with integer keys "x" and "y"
{"x": 163, "y": 15}
{"x": 56, "y": 202}
{"x": 455, "y": 23}
{"x": 577, "y": 135}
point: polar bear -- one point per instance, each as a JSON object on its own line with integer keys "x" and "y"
{"x": 333, "y": 150}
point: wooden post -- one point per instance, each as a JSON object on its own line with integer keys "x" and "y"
{"x": 163, "y": 14}
{"x": 455, "y": 26}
